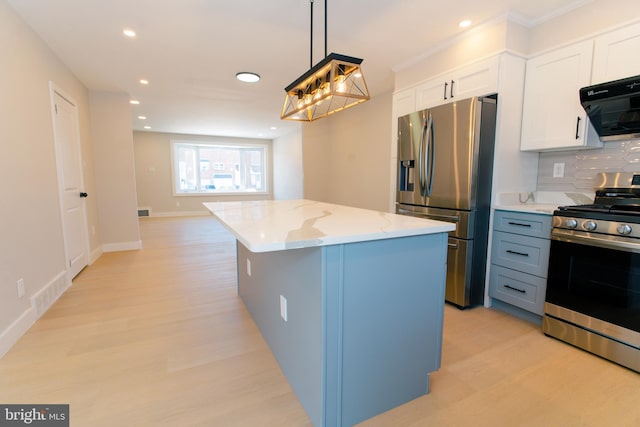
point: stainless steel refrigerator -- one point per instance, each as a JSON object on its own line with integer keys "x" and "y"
{"x": 445, "y": 167}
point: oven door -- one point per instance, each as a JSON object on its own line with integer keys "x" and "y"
{"x": 595, "y": 285}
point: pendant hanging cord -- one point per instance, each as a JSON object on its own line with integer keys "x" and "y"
{"x": 311, "y": 38}
{"x": 325, "y": 28}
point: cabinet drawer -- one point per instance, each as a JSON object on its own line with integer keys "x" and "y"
{"x": 523, "y": 253}
{"x": 519, "y": 289}
{"x": 528, "y": 224}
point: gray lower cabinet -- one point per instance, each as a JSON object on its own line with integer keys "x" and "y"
{"x": 356, "y": 327}
{"x": 519, "y": 259}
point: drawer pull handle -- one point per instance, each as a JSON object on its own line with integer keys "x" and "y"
{"x": 522, "y": 291}
{"x": 519, "y": 224}
{"x": 516, "y": 253}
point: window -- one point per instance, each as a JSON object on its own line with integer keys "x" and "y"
{"x": 219, "y": 168}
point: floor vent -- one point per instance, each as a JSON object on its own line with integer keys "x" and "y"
{"x": 46, "y": 296}
{"x": 144, "y": 211}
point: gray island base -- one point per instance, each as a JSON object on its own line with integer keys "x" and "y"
{"x": 350, "y": 301}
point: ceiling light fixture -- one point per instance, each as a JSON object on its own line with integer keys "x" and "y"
{"x": 465, "y": 23}
{"x": 129, "y": 32}
{"x": 134, "y": 102}
{"x": 248, "y": 77}
{"x": 333, "y": 84}
{"x": 144, "y": 81}
{"x": 142, "y": 117}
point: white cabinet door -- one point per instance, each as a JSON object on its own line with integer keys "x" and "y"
{"x": 404, "y": 102}
{"x": 616, "y": 55}
{"x": 478, "y": 79}
{"x": 552, "y": 117}
{"x": 432, "y": 92}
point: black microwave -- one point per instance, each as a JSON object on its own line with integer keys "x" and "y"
{"x": 614, "y": 108}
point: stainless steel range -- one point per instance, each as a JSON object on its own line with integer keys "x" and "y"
{"x": 593, "y": 286}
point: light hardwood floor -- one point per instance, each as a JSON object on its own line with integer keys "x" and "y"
{"x": 158, "y": 337}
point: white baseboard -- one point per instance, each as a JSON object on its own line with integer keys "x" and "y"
{"x": 182, "y": 213}
{"x": 16, "y": 330}
{"x": 40, "y": 303}
{"x": 95, "y": 254}
{"x": 122, "y": 246}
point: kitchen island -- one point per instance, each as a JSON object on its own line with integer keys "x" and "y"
{"x": 350, "y": 301}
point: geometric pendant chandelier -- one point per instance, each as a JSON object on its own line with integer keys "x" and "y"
{"x": 333, "y": 84}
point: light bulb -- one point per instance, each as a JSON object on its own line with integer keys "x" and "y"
{"x": 341, "y": 86}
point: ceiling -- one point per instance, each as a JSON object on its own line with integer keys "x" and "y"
{"x": 191, "y": 50}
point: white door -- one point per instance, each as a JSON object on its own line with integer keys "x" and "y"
{"x": 72, "y": 196}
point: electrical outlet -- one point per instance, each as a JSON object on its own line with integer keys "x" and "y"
{"x": 558, "y": 170}
{"x": 21, "y": 289}
{"x": 177, "y": 204}
{"x": 283, "y": 308}
{"x": 249, "y": 267}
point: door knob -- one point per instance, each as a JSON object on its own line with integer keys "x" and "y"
{"x": 83, "y": 194}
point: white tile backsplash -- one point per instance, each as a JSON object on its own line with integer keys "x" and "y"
{"x": 581, "y": 166}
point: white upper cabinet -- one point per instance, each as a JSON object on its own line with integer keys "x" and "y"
{"x": 433, "y": 92}
{"x": 616, "y": 55}
{"x": 552, "y": 117}
{"x": 404, "y": 102}
{"x": 477, "y": 79}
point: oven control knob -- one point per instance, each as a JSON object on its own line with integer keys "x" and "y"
{"x": 571, "y": 223}
{"x": 624, "y": 229}
{"x": 589, "y": 225}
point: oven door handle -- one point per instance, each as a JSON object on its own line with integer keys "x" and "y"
{"x": 598, "y": 240}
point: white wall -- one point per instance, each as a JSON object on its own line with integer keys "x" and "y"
{"x": 589, "y": 20}
{"x": 346, "y": 156}
{"x": 152, "y": 153}
{"x": 31, "y": 240}
{"x": 287, "y": 166}
{"x": 481, "y": 42}
{"x": 114, "y": 169}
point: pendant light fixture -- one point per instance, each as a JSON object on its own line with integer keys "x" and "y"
{"x": 333, "y": 84}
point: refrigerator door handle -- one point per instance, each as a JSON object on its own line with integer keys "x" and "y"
{"x": 431, "y": 155}
{"x": 421, "y": 160}
{"x": 437, "y": 217}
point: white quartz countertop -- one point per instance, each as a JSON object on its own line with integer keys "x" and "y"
{"x": 541, "y": 202}
{"x": 273, "y": 225}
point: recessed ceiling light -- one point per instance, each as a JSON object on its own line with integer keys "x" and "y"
{"x": 465, "y": 23}
{"x": 134, "y": 102}
{"x": 142, "y": 117}
{"x": 273, "y": 128}
{"x": 144, "y": 82}
{"x": 147, "y": 127}
{"x": 129, "y": 32}
{"x": 247, "y": 77}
